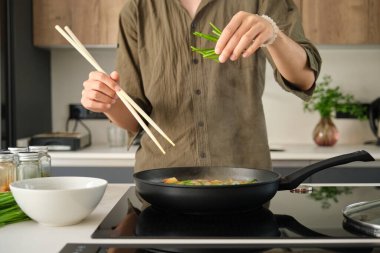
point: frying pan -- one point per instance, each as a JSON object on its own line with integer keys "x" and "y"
{"x": 226, "y": 198}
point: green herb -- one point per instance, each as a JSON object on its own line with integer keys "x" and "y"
{"x": 10, "y": 212}
{"x": 327, "y": 195}
{"x": 208, "y": 53}
{"x": 327, "y": 100}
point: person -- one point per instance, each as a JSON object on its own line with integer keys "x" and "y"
{"x": 212, "y": 111}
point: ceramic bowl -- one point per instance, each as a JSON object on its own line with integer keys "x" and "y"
{"x": 58, "y": 201}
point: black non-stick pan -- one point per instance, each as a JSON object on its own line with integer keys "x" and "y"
{"x": 226, "y": 198}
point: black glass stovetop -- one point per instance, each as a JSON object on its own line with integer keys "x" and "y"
{"x": 294, "y": 219}
{"x": 290, "y": 215}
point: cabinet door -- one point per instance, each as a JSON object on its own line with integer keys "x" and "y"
{"x": 94, "y": 22}
{"x": 374, "y": 21}
{"x": 337, "y": 21}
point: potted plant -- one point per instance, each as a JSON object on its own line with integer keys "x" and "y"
{"x": 328, "y": 101}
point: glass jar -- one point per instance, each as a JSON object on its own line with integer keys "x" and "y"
{"x": 28, "y": 166}
{"x": 45, "y": 159}
{"x": 7, "y": 170}
{"x": 16, "y": 150}
{"x": 116, "y": 136}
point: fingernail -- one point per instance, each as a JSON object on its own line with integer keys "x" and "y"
{"x": 217, "y": 50}
{"x": 222, "y": 58}
{"x": 233, "y": 58}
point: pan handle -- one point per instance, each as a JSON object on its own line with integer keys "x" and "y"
{"x": 294, "y": 179}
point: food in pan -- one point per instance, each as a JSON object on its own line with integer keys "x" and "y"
{"x": 173, "y": 180}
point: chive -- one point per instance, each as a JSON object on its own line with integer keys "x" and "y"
{"x": 188, "y": 182}
{"x": 208, "y": 53}
{"x": 207, "y": 36}
{"x": 216, "y": 33}
{"x": 216, "y": 30}
{"x": 6, "y": 200}
{"x": 10, "y": 212}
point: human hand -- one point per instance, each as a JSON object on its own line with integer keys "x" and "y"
{"x": 243, "y": 35}
{"x": 99, "y": 91}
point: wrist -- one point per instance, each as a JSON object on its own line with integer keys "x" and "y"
{"x": 275, "y": 31}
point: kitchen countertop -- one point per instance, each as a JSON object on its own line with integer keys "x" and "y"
{"x": 31, "y": 237}
{"x": 290, "y": 155}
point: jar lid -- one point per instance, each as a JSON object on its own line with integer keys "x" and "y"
{"x": 38, "y": 148}
{"x": 18, "y": 149}
{"x": 28, "y": 156}
{"x": 6, "y": 156}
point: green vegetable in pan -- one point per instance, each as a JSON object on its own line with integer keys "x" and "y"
{"x": 173, "y": 180}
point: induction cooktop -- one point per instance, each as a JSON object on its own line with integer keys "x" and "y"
{"x": 306, "y": 218}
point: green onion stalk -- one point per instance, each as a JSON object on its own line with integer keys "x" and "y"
{"x": 208, "y": 53}
{"x": 10, "y": 212}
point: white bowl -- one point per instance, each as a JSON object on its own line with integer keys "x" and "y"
{"x": 58, "y": 201}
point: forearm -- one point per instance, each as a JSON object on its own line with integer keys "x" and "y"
{"x": 291, "y": 61}
{"x": 122, "y": 117}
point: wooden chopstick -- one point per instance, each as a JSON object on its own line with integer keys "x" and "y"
{"x": 145, "y": 116}
{"x": 141, "y": 122}
{"x": 84, "y": 49}
{"x": 128, "y": 101}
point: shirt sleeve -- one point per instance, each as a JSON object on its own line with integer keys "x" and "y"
{"x": 287, "y": 17}
{"x": 127, "y": 59}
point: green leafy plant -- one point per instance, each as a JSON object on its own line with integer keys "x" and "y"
{"x": 208, "y": 53}
{"x": 328, "y": 100}
{"x": 327, "y": 195}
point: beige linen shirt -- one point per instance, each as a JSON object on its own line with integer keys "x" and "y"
{"x": 213, "y": 112}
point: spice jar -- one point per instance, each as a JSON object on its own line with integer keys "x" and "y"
{"x": 7, "y": 170}
{"x": 16, "y": 150}
{"x": 45, "y": 159}
{"x": 28, "y": 166}
{"x": 116, "y": 136}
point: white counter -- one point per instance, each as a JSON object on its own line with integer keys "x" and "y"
{"x": 31, "y": 237}
{"x": 103, "y": 156}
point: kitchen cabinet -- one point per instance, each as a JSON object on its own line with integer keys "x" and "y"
{"x": 341, "y": 21}
{"x": 94, "y": 22}
{"x": 374, "y": 24}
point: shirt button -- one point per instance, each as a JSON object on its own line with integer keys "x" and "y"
{"x": 203, "y": 155}
{"x": 198, "y": 92}
{"x": 195, "y": 61}
{"x": 193, "y": 25}
{"x": 201, "y": 124}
